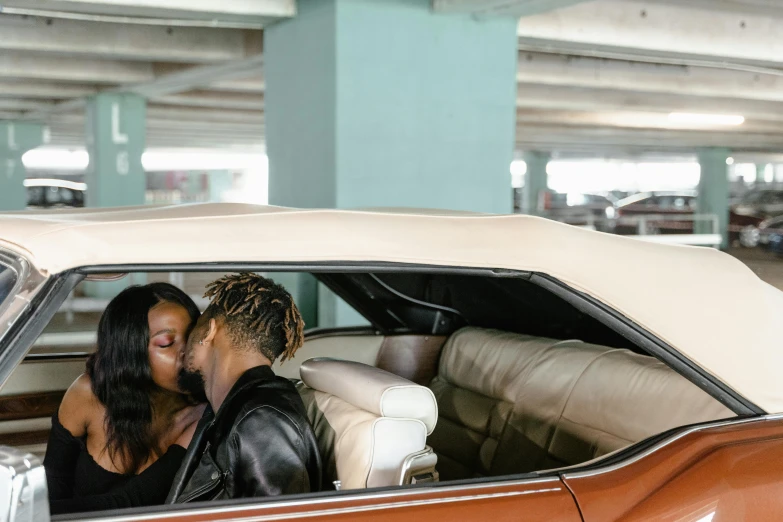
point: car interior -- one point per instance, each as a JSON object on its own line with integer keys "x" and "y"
{"x": 452, "y": 377}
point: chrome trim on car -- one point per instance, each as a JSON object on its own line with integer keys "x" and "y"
{"x": 29, "y": 283}
{"x": 666, "y": 442}
{"x": 354, "y": 496}
{"x": 378, "y": 507}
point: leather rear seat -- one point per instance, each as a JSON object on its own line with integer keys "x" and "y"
{"x": 511, "y": 403}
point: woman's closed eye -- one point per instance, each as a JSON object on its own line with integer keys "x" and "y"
{"x": 166, "y": 341}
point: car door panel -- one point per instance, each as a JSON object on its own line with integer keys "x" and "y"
{"x": 718, "y": 474}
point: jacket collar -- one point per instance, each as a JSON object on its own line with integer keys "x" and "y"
{"x": 250, "y": 378}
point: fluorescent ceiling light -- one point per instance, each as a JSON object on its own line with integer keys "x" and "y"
{"x": 162, "y": 160}
{"x": 153, "y": 160}
{"x": 56, "y": 159}
{"x": 706, "y": 119}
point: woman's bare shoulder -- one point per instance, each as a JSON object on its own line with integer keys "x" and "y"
{"x": 79, "y": 406}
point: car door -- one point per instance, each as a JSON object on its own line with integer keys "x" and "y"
{"x": 726, "y": 472}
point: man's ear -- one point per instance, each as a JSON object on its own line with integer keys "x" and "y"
{"x": 211, "y": 331}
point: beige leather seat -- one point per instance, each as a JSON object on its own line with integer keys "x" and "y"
{"x": 371, "y": 425}
{"x": 512, "y": 403}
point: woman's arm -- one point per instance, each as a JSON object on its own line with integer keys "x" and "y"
{"x": 63, "y": 448}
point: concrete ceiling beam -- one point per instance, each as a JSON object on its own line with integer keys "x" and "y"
{"x": 15, "y": 104}
{"x": 211, "y": 99}
{"x": 256, "y": 12}
{"x": 555, "y": 69}
{"x": 183, "y": 79}
{"x": 195, "y": 77}
{"x": 181, "y": 117}
{"x": 651, "y": 139}
{"x": 48, "y": 91}
{"x": 561, "y": 97}
{"x": 254, "y": 84}
{"x": 501, "y": 7}
{"x": 754, "y": 7}
{"x": 126, "y": 42}
{"x": 632, "y": 27}
{"x": 23, "y": 66}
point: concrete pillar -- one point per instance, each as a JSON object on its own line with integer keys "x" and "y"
{"x": 761, "y": 169}
{"x": 713, "y": 191}
{"x": 386, "y": 103}
{"x": 16, "y": 138}
{"x": 536, "y": 181}
{"x": 220, "y": 181}
{"x": 195, "y": 185}
{"x": 116, "y": 134}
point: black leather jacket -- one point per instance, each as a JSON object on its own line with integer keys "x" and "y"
{"x": 259, "y": 443}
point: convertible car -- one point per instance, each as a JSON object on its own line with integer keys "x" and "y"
{"x": 508, "y": 367}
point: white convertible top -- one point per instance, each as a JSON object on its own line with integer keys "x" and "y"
{"x": 706, "y": 304}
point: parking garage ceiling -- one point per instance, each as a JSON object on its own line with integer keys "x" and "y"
{"x": 599, "y": 77}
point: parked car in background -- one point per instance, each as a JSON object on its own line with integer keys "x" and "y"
{"x": 762, "y": 235}
{"x": 577, "y": 208}
{"x": 574, "y": 208}
{"x": 776, "y": 243}
{"x": 670, "y": 213}
{"x": 54, "y": 193}
{"x": 761, "y": 203}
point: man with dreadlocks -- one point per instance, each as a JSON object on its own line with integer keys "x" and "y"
{"x": 254, "y": 440}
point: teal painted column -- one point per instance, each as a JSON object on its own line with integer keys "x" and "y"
{"x": 304, "y": 289}
{"x": 761, "y": 173}
{"x": 220, "y": 181}
{"x": 385, "y": 103}
{"x": 195, "y": 185}
{"x": 713, "y": 191}
{"x": 16, "y": 138}
{"x": 116, "y": 134}
{"x": 536, "y": 181}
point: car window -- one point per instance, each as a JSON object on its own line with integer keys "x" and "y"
{"x": 35, "y": 196}
{"x": 752, "y": 197}
{"x": 65, "y": 195}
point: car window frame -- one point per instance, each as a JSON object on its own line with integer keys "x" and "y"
{"x": 55, "y": 290}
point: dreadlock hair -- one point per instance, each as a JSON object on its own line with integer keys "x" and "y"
{"x": 258, "y": 312}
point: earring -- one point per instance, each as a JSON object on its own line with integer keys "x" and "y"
{"x": 201, "y": 342}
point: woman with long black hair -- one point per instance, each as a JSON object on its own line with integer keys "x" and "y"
{"x": 126, "y": 417}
